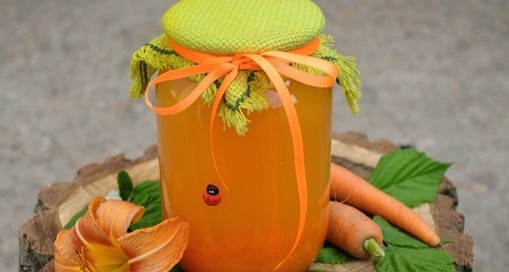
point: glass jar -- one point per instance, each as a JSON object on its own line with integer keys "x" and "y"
{"x": 254, "y": 185}
{"x": 251, "y": 225}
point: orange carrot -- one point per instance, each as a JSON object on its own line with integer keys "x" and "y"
{"x": 347, "y": 187}
{"x": 354, "y": 232}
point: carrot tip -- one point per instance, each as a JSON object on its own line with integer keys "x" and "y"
{"x": 373, "y": 248}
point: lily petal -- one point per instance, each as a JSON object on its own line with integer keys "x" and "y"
{"x": 102, "y": 247}
{"x": 115, "y": 216}
{"x": 156, "y": 248}
{"x": 66, "y": 251}
{"x": 88, "y": 230}
{"x": 99, "y": 241}
{"x": 70, "y": 253}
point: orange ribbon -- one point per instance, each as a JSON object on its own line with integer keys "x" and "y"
{"x": 275, "y": 64}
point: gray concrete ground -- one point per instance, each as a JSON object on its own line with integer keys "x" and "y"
{"x": 435, "y": 74}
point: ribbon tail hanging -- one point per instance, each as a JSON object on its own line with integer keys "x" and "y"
{"x": 297, "y": 142}
{"x": 219, "y": 96}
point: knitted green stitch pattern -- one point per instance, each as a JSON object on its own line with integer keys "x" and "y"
{"x": 230, "y": 27}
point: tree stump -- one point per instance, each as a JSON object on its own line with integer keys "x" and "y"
{"x": 58, "y": 202}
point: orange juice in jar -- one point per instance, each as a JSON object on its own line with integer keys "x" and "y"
{"x": 244, "y": 102}
{"x": 255, "y": 222}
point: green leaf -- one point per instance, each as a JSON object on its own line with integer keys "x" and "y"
{"x": 176, "y": 268}
{"x": 401, "y": 259}
{"x": 394, "y": 236}
{"x": 75, "y": 218}
{"x": 409, "y": 176}
{"x": 148, "y": 195}
{"x": 125, "y": 185}
{"x": 332, "y": 255}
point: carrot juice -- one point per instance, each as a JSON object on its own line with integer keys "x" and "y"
{"x": 251, "y": 224}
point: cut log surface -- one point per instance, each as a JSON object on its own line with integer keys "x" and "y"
{"x": 58, "y": 202}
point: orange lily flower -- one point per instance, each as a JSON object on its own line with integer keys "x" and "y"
{"x": 99, "y": 241}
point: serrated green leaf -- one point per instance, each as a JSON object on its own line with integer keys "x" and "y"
{"x": 409, "y": 176}
{"x": 75, "y": 218}
{"x": 332, "y": 255}
{"x": 148, "y": 195}
{"x": 400, "y": 259}
{"x": 149, "y": 187}
{"x": 125, "y": 185}
{"x": 394, "y": 236}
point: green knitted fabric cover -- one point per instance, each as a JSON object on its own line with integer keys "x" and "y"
{"x": 243, "y": 26}
{"x": 228, "y": 27}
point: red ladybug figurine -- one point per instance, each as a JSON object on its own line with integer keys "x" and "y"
{"x": 211, "y": 195}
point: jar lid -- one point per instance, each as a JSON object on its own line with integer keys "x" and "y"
{"x": 231, "y": 27}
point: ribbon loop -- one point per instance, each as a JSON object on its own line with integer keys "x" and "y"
{"x": 216, "y": 71}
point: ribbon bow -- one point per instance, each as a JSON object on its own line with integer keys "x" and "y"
{"x": 275, "y": 64}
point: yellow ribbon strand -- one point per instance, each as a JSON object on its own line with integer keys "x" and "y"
{"x": 275, "y": 64}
